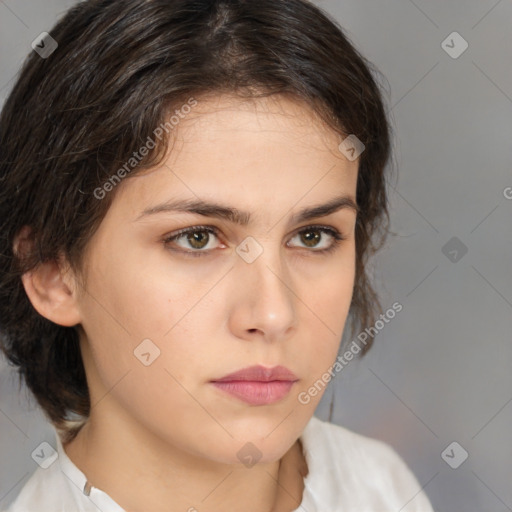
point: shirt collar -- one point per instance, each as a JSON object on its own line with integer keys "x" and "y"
{"x": 77, "y": 478}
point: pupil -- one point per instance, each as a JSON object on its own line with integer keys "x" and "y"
{"x": 308, "y": 238}
{"x": 193, "y": 238}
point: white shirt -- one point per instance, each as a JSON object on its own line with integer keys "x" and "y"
{"x": 347, "y": 472}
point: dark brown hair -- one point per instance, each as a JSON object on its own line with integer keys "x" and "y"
{"x": 120, "y": 69}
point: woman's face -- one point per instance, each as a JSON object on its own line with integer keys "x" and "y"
{"x": 162, "y": 320}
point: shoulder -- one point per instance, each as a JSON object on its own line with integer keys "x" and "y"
{"x": 365, "y": 472}
{"x": 57, "y": 485}
{"x": 340, "y": 443}
{"x": 46, "y": 489}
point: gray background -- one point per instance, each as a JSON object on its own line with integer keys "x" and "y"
{"x": 440, "y": 370}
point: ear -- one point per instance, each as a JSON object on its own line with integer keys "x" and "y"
{"x": 51, "y": 287}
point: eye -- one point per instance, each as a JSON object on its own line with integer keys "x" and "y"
{"x": 198, "y": 239}
{"x": 313, "y": 234}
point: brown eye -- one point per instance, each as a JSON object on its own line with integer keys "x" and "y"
{"x": 195, "y": 241}
{"x": 313, "y": 236}
{"x": 196, "y": 238}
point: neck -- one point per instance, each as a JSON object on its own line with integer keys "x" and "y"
{"x": 141, "y": 472}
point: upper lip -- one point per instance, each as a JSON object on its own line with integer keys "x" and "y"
{"x": 260, "y": 374}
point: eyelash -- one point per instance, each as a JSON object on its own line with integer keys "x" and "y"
{"x": 337, "y": 238}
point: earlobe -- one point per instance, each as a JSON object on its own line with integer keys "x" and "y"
{"x": 50, "y": 290}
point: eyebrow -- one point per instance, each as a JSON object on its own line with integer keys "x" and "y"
{"x": 236, "y": 216}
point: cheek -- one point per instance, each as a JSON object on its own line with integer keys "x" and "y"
{"x": 328, "y": 292}
{"x": 326, "y": 312}
{"x": 135, "y": 313}
{"x": 134, "y": 296}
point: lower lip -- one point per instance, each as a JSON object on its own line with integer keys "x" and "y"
{"x": 257, "y": 393}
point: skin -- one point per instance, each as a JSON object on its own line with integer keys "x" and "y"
{"x": 162, "y": 437}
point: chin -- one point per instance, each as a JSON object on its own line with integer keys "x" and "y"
{"x": 270, "y": 438}
{"x": 248, "y": 453}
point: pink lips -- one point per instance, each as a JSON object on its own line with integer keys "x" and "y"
{"x": 258, "y": 385}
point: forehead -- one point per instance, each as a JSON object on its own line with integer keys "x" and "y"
{"x": 276, "y": 122}
{"x": 246, "y": 152}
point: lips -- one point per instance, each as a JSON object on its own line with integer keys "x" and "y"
{"x": 260, "y": 374}
{"x": 258, "y": 385}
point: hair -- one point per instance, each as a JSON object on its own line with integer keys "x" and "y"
{"x": 120, "y": 69}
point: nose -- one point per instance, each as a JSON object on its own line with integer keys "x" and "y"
{"x": 263, "y": 301}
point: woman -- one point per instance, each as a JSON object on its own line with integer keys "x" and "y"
{"x": 191, "y": 189}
